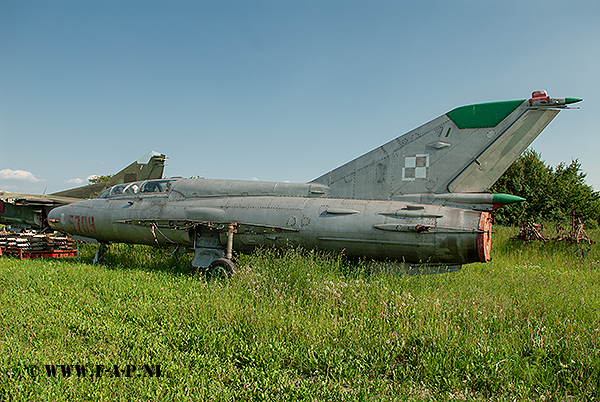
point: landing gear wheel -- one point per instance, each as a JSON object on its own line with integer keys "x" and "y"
{"x": 221, "y": 268}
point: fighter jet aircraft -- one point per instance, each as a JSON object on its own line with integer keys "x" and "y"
{"x": 31, "y": 210}
{"x": 418, "y": 200}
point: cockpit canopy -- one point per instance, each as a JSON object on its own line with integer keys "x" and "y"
{"x": 138, "y": 187}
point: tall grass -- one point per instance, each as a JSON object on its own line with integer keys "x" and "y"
{"x": 306, "y": 325}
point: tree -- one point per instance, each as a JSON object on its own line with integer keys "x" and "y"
{"x": 551, "y": 194}
{"x": 100, "y": 179}
{"x": 573, "y": 195}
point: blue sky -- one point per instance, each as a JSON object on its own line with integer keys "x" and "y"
{"x": 274, "y": 90}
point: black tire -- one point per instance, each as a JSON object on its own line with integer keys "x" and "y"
{"x": 221, "y": 268}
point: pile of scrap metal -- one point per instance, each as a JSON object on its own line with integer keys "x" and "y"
{"x": 531, "y": 231}
{"x": 35, "y": 245}
{"x": 576, "y": 234}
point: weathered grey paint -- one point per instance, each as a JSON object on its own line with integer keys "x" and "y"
{"x": 280, "y": 216}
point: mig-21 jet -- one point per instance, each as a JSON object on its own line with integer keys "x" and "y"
{"x": 418, "y": 201}
{"x": 30, "y": 211}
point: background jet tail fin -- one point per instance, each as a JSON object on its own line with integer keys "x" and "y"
{"x": 149, "y": 166}
{"x": 465, "y": 150}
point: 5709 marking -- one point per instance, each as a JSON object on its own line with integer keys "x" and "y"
{"x": 82, "y": 224}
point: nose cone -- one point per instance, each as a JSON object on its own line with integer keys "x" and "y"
{"x": 54, "y": 219}
{"x": 572, "y": 100}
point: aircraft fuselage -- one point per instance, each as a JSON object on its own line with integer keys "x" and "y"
{"x": 196, "y": 214}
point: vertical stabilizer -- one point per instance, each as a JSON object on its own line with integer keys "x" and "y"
{"x": 463, "y": 151}
{"x": 149, "y": 166}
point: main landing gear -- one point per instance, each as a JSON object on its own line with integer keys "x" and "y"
{"x": 223, "y": 268}
{"x": 99, "y": 257}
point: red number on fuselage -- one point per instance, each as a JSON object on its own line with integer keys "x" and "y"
{"x": 82, "y": 224}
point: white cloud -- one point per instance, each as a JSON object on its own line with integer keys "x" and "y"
{"x": 23, "y": 175}
{"x": 80, "y": 182}
{"x": 76, "y": 181}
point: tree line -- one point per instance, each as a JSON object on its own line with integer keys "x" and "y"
{"x": 552, "y": 194}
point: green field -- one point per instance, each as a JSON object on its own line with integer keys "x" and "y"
{"x": 301, "y": 325}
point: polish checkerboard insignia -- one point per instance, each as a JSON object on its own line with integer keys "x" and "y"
{"x": 415, "y": 167}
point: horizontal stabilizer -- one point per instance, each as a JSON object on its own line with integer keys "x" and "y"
{"x": 474, "y": 201}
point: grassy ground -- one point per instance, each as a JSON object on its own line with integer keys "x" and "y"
{"x": 299, "y": 325}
